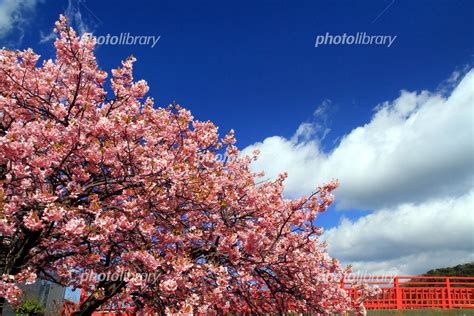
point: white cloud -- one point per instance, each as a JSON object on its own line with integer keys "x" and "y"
{"x": 413, "y": 264}
{"x": 418, "y": 146}
{"x": 322, "y": 110}
{"x": 409, "y": 238}
{"x": 14, "y": 15}
{"x": 412, "y": 164}
{"x": 80, "y": 23}
{"x": 75, "y": 17}
{"x": 304, "y": 132}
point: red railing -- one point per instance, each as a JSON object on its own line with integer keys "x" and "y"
{"x": 68, "y": 308}
{"x": 112, "y": 307}
{"x": 400, "y": 292}
{"x": 409, "y": 292}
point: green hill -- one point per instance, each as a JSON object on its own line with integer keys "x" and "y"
{"x": 461, "y": 270}
{"x": 464, "y": 270}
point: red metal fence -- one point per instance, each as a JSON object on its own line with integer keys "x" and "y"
{"x": 409, "y": 292}
{"x": 400, "y": 292}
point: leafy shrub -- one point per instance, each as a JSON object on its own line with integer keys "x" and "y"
{"x": 30, "y": 308}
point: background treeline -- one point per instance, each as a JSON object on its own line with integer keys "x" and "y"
{"x": 461, "y": 270}
{"x": 464, "y": 270}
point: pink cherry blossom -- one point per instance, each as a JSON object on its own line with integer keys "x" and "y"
{"x": 108, "y": 183}
{"x": 169, "y": 286}
{"x": 53, "y": 214}
{"x": 74, "y": 227}
{"x": 32, "y": 221}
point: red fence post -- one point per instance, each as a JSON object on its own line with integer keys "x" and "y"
{"x": 83, "y": 296}
{"x": 448, "y": 292}
{"x": 398, "y": 293}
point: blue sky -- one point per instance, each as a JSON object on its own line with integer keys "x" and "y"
{"x": 252, "y": 66}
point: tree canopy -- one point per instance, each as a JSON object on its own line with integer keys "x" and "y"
{"x": 97, "y": 180}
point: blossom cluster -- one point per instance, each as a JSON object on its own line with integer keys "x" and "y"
{"x": 104, "y": 181}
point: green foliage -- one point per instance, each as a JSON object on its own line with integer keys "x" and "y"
{"x": 30, "y": 308}
{"x": 461, "y": 270}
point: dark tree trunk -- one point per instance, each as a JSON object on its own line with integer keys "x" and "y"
{"x": 14, "y": 254}
{"x": 2, "y": 302}
{"x": 92, "y": 303}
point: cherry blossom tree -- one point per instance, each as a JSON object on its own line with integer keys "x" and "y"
{"x": 99, "y": 181}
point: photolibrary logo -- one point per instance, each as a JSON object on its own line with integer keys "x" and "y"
{"x": 90, "y": 276}
{"x": 360, "y": 38}
{"x": 127, "y": 39}
{"x": 217, "y": 157}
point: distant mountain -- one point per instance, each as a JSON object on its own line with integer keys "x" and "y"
{"x": 464, "y": 270}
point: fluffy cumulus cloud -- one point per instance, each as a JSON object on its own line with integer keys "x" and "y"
{"x": 417, "y": 146}
{"x": 13, "y": 15}
{"x": 411, "y": 164}
{"x": 408, "y": 238}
